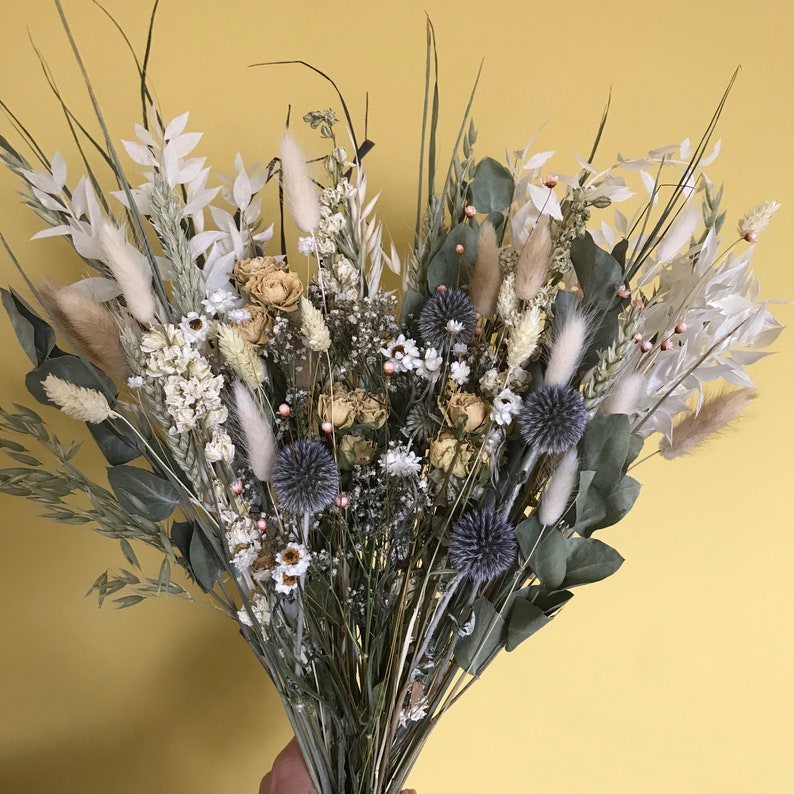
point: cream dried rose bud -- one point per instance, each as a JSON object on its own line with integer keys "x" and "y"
{"x": 257, "y": 265}
{"x": 450, "y": 455}
{"x": 257, "y": 328}
{"x": 355, "y": 451}
{"x": 370, "y": 410}
{"x": 337, "y": 407}
{"x": 277, "y": 289}
{"x": 469, "y": 409}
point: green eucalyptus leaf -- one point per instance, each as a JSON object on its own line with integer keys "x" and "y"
{"x": 204, "y": 561}
{"x": 605, "y": 447}
{"x": 589, "y": 560}
{"x": 71, "y": 369}
{"x": 181, "y": 535}
{"x": 34, "y": 334}
{"x": 527, "y": 534}
{"x": 549, "y": 559}
{"x": 598, "y": 272}
{"x": 525, "y": 620}
{"x": 552, "y": 602}
{"x": 636, "y": 443}
{"x": 413, "y": 302}
{"x": 143, "y": 492}
{"x": 472, "y": 653}
{"x": 606, "y": 509}
{"x": 564, "y": 305}
{"x": 449, "y": 268}
{"x": 491, "y": 189}
{"x": 619, "y": 252}
{"x": 118, "y": 447}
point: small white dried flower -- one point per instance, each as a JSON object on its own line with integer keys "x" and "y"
{"x": 315, "y": 332}
{"x": 135, "y": 382}
{"x": 87, "y": 405}
{"x": 306, "y": 245}
{"x": 459, "y": 371}
{"x": 260, "y": 608}
{"x": 506, "y": 406}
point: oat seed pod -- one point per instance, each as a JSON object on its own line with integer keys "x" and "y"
{"x": 241, "y": 356}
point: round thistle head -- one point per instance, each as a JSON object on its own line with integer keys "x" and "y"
{"x": 305, "y": 477}
{"x": 447, "y": 319}
{"x": 483, "y": 545}
{"x": 553, "y": 419}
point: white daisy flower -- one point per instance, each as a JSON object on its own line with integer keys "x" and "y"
{"x": 220, "y": 302}
{"x": 285, "y": 583}
{"x": 195, "y": 327}
{"x": 293, "y": 559}
{"x": 403, "y": 353}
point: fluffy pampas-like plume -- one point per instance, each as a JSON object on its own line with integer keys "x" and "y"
{"x": 715, "y": 414}
{"x": 487, "y": 278}
{"x": 567, "y": 350}
{"x": 298, "y": 186}
{"x": 87, "y": 405}
{"x": 90, "y": 324}
{"x": 558, "y": 492}
{"x": 257, "y": 432}
{"x": 131, "y": 270}
{"x": 533, "y": 262}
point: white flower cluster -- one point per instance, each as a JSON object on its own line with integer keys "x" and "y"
{"x": 261, "y": 609}
{"x": 192, "y": 392}
{"x": 242, "y": 538}
{"x": 332, "y": 221}
{"x": 292, "y": 562}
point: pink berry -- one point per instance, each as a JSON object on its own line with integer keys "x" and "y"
{"x": 681, "y": 327}
{"x": 551, "y": 180}
{"x": 624, "y": 291}
{"x": 328, "y": 427}
{"x": 261, "y": 525}
{"x": 441, "y": 288}
{"x": 470, "y": 211}
{"x": 666, "y": 344}
{"x": 342, "y": 500}
{"x": 751, "y": 237}
{"x": 645, "y": 346}
{"x": 284, "y": 410}
{"x": 459, "y": 249}
{"x": 237, "y": 487}
{"x": 388, "y": 367}
{"x": 637, "y": 337}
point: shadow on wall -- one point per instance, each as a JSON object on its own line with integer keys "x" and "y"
{"x": 211, "y": 717}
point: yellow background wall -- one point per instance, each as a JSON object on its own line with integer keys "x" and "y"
{"x": 674, "y": 675}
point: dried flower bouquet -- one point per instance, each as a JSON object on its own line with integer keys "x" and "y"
{"x": 383, "y": 490}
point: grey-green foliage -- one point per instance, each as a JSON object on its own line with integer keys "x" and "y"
{"x": 167, "y": 221}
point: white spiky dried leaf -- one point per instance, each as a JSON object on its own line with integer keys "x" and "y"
{"x": 87, "y": 405}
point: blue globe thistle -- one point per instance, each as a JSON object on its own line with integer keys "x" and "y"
{"x": 553, "y": 419}
{"x": 483, "y": 545}
{"x": 305, "y": 477}
{"x": 447, "y": 319}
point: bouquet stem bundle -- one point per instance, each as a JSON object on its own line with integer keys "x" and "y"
{"x": 383, "y": 494}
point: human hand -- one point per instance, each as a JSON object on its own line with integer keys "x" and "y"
{"x": 290, "y": 776}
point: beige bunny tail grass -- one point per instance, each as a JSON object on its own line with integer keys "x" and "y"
{"x": 715, "y": 414}
{"x": 260, "y": 444}
{"x": 298, "y": 186}
{"x": 487, "y": 278}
